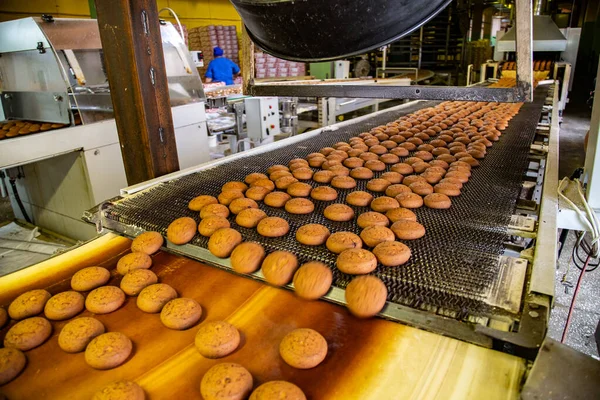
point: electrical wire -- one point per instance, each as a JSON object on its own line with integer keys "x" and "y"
{"x": 176, "y": 19}
{"x": 572, "y": 306}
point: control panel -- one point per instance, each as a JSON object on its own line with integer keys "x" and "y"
{"x": 262, "y": 117}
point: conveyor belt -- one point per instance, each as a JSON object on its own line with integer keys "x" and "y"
{"x": 452, "y": 267}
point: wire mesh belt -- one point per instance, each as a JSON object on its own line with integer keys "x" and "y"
{"x": 451, "y": 267}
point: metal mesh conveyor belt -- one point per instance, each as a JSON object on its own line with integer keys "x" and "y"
{"x": 452, "y": 267}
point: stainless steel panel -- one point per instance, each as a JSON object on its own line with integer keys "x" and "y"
{"x": 31, "y": 71}
{"x": 37, "y": 106}
{"x": 71, "y": 33}
{"x": 546, "y": 36}
{"x": 20, "y": 35}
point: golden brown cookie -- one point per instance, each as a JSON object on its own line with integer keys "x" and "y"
{"x": 273, "y": 227}
{"x": 223, "y": 241}
{"x": 343, "y": 182}
{"x": 217, "y": 210}
{"x": 299, "y": 206}
{"x": 323, "y": 176}
{"x": 408, "y": 230}
{"x": 373, "y": 235}
{"x": 277, "y": 199}
{"x": 324, "y": 193}
{"x": 234, "y": 186}
{"x": 28, "y": 333}
{"x": 421, "y": 188}
{"x": 133, "y": 282}
{"x": 392, "y": 254}
{"x": 89, "y": 278}
{"x": 108, "y": 350}
{"x": 12, "y": 362}
{"x": 303, "y": 348}
{"x": 437, "y": 201}
{"x": 392, "y": 177}
{"x": 285, "y": 181}
{"x": 402, "y": 168}
{"x": 303, "y": 173}
{"x": 409, "y": 180}
{"x": 77, "y": 334}
{"x": 395, "y": 190}
{"x": 384, "y": 203}
{"x": 371, "y": 218}
{"x": 104, "y": 300}
{"x": 340, "y": 241}
{"x": 359, "y": 198}
{"x": 217, "y": 339}
{"x": 197, "y": 203}
{"x": 226, "y": 381}
{"x": 312, "y": 280}
{"x": 250, "y": 217}
{"x": 312, "y": 234}
{"x": 265, "y": 183}
{"x": 254, "y": 177}
{"x": 180, "y": 313}
{"x": 28, "y": 304}
{"x": 397, "y": 214}
{"x": 154, "y": 297}
{"x": 122, "y": 390}
{"x": 210, "y": 225}
{"x": 299, "y": 189}
{"x": 361, "y": 173}
{"x": 338, "y": 212}
{"x": 277, "y": 167}
{"x": 356, "y": 261}
{"x": 247, "y": 257}
{"x": 240, "y": 204}
{"x": 64, "y": 305}
{"x": 353, "y": 162}
{"x": 378, "y": 185}
{"x": 448, "y": 188}
{"x": 279, "y": 267}
{"x": 148, "y": 242}
{"x": 409, "y": 200}
{"x": 277, "y": 390}
{"x": 181, "y": 231}
{"x": 131, "y": 261}
{"x": 366, "y": 296}
{"x": 227, "y": 197}
{"x": 257, "y": 193}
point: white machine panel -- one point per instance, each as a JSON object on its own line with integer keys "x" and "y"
{"x": 262, "y": 117}
{"x": 342, "y": 69}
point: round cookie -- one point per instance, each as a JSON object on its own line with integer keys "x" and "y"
{"x": 77, "y": 334}
{"x": 338, "y": 212}
{"x": 277, "y": 167}
{"x": 384, "y": 203}
{"x": 273, "y": 227}
{"x": 340, "y": 241}
{"x": 373, "y": 235}
{"x": 409, "y": 200}
{"x": 284, "y": 182}
{"x": 12, "y": 362}
{"x": 240, "y": 204}
{"x": 421, "y": 188}
{"x": 89, "y": 278}
{"x": 223, "y": 241}
{"x": 312, "y": 280}
{"x": 104, "y": 300}
{"x": 378, "y": 185}
{"x": 154, "y": 297}
{"x": 437, "y": 201}
{"x": 324, "y": 193}
{"x": 132, "y": 261}
{"x": 312, "y": 234}
{"x": 396, "y": 189}
{"x": 217, "y": 210}
{"x": 257, "y": 193}
{"x": 359, "y": 198}
{"x": 226, "y": 381}
{"x": 277, "y": 390}
{"x": 250, "y": 217}
{"x": 448, "y": 188}
{"x": 392, "y": 254}
{"x": 405, "y": 229}
{"x": 148, "y": 242}
{"x": 303, "y": 348}
{"x": 372, "y": 218}
{"x": 28, "y": 304}
{"x": 365, "y": 296}
{"x": 122, "y": 390}
{"x": 356, "y": 261}
{"x": 197, "y": 203}
{"x": 227, "y": 197}
{"x": 250, "y": 178}
{"x": 234, "y": 186}
{"x": 217, "y": 339}
{"x": 343, "y": 182}
{"x": 392, "y": 177}
{"x": 210, "y": 225}
{"x": 108, "y": 350}
{"x": 277, "y": 199}
{"x": 181, "y": 231}
{"x": 265, "y": 183}
{"x": 247, "y": 257}
{"x": 299, "y": 189}
{"x": 64, "y": 305}
{"x": 302, "y": 173}
{"x": 397, "y": 214}
{"x": 323, "y": 176}
{"x": 402, "y": 168}
{"x": 361, "y": 173}
{"x": 279, "y": 267}
{"x": 299, "y": 206}
{"x": 28, "y": 333}
{"x": 181, "y": 313}
{"x": 133, "y": 282}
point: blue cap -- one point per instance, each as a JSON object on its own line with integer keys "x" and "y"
{"x": 217, "y": 51}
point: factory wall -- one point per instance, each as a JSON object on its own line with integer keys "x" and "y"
{"x": 192, "y": 13}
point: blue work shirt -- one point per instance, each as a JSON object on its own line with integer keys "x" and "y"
{"x": 222, "y": 69}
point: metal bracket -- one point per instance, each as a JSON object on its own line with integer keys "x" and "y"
{"x": 40, "y": 47}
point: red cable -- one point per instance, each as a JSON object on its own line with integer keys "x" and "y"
{"x": 572, "y": 306}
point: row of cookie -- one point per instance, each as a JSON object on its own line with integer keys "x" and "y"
{"x": 17, "y": 128}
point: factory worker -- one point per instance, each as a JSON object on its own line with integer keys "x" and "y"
{"x": 221, "y": 69}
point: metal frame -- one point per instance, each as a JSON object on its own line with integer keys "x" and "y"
{"x": 522, "y": 92}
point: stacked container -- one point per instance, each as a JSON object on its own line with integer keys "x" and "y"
{"x": 267, "y": 66}
{"x": 206, "y": 38}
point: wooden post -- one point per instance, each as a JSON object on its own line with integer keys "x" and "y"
{"x": 133, "y": 54}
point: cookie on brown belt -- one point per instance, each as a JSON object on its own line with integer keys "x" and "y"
{"x": 375, "y": 234}
{"x": 217, "y": 210}
{"x": 437, "y": 201}
{"x": 371, "y": 218}
{"x": 392, "y": 254}
{"x": 356, "y": 261}
{"x": 227, "y": 197}
{"x": 64, "y": 305}
{"x": 28, "y": 333}
{"x": 210, "y": 225}
{"x": 12, "y": 362}
{"x": 279, "y": 267}
{"x": 340, "y": 241}
{"x": 257, "y": 193}
{"x": 299, "y": 189}
{"x": 197, "y": 203}
{"x": 323, "y": 176}
{"x": 312, "y": 234}
{"x": 397, "y": 214}
{"x": 240, "y": 204}
{"x": 299, "y": 206}
{"x": 338, "y": 212}
{"x": 273, "y": 227}
{"x": 108, "y": 350}
{"x": 78, "y": 333}
{"x": 378, "y": 185}
{"x": 409, "y": 200}
{"x": 226, "y": 381}
{"x": 131, "y": 261}
{"x": 223, "y": 241}
{"x": 277, "y": 390}
{"x": 89, "y": 278}
{"x": 148, "y": 242}
{"x": 277, "y": 199}
{"x": 181, "y": 231}
{"x": 154, "y": 297}
{"x": 133, "y": 282}
{"x": 361, "y": 173}
{"x": 247, "y": 257}
{"x": 392, "y": 177}
{"x": 28, "y": 304}
{"x": 217, "y": 339}
{"x": 343, "y": 182}
{"x": 104, "y": 300}
{"x": 303, "y": 348}
{"x": 359, "y": 198}
{"x": 121, "y": 390}
{"x": 254, "y": 177}
{"x": 324, "y": 193}
{"x": 365, "y": 296}
{"x": 180, "y": 313}
{"x": 408, "y": 230}
{"x": 383, "y": 204}
{"x": 312, "y": 280}
{"x": 234, "y": 185}
{"x": 250, "y": 217}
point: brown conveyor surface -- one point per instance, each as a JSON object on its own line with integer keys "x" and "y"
{"x": 367, "y": 359}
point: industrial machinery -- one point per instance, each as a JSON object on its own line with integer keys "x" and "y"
{"x": 51, "y": 72}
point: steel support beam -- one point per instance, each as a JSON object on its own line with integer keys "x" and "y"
{"x": 524, "y": 47}
{"x": 133, "y": 54}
